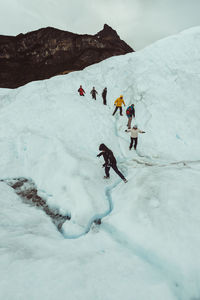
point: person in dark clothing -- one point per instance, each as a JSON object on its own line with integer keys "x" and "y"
{"x": 104, "y": 93}
{"x": 93, "y": 93}
{"x": 110, "y": 162}
{"x": 81, "y": 91}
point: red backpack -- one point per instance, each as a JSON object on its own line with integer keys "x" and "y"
{"x": 128, "y": 111}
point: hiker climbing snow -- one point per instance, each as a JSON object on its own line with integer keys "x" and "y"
{"x": 118, "y": 103}
{"x": 104, "y": 93}
{"x": 134, "y": 136}
{"x": 93, "y": 93}
{"x": 81, "y": 91}
{"x": 130, "y": 113}
{"x": 110, "y": 162}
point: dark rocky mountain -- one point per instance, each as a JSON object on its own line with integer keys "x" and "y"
{"x": 47, "y": 52}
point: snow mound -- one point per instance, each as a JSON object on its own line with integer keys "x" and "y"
{"x": 149, "y": 232}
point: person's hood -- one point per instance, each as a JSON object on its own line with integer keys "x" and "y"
{"x": 103, "y": 147}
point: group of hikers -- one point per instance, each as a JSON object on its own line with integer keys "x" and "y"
{"x": 94, "y": 93}
{"x": 109, "y": 158}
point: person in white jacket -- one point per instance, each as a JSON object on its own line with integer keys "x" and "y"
{"x": 134, "y": 136}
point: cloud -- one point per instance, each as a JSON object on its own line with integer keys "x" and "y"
{"x": 138, "y": 22}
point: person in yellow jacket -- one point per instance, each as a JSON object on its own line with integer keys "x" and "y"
{"x": 118, "y": 103}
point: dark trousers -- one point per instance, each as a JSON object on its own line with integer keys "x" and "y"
{"x": 116, "y": 108}
{"x": 129, "y": 122}
{"x": 104, "y": 100}
{"x": 94, "y": 96}
{"x": 107, "y": 170}
{"x": 131, "y": 144}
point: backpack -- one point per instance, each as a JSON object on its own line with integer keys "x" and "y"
{"x": 130, "y": 111}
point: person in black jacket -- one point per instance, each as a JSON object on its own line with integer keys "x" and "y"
{"x": 110, "y": 161}
{"x": 93, "y": 93}
{"x": 104, "y": 93}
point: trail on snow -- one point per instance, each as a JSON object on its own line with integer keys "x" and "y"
{"x": 124, "y": 163}
{"x": 97, "y": 219}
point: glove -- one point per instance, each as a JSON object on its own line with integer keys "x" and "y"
{"x": 98, "y": 155}
{"x": 104, "y": 165}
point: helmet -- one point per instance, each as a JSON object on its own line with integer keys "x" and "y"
{"x": 135, "y": 126}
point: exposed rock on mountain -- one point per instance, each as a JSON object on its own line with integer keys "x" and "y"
{"x": 47, "y": 52}
{"x": 28, "y": 192}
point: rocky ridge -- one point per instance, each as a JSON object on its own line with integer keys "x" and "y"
{"x": 47, "y": 52}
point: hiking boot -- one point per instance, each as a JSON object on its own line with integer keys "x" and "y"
{"x": 125, "y": 180}
{"x": 106, "y": 177}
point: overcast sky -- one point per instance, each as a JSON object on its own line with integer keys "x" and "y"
{"x": 138, "y": 22}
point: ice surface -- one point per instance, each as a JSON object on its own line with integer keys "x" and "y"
{"x": 148, "y": 244}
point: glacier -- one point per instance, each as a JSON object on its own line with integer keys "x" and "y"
{"x": 147, "y": 246}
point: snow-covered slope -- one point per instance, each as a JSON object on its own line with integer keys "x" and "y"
{"x": 147, "y": 246}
